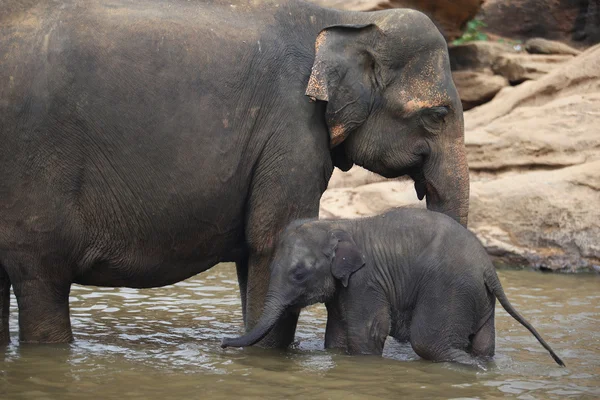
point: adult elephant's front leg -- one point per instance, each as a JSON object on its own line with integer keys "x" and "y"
{"x": 282, "y": 192}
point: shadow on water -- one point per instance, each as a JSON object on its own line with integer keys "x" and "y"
{"x": 165, "y": 343}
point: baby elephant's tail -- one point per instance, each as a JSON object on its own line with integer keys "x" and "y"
{"x": 493, "y": 284}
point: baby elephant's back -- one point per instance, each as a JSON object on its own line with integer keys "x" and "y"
{"x": 444, "y": 252}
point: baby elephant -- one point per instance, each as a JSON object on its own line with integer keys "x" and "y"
{"x": 413, "y": 274}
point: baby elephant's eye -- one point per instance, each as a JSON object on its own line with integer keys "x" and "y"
{"x": 299, "y": 272}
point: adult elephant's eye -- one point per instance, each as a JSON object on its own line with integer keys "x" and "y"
{"x": 433, "y": 118}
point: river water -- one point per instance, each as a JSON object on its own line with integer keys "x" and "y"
{"x": 164, "y": 344}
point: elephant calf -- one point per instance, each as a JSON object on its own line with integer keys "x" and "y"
{"x": 416, "y": 275}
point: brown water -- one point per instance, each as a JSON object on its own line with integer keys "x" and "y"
{"x": 164, "y": 344}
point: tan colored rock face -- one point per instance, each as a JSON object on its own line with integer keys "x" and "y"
{"x": 523, "y": 67}
{"x": 477, "y": 55}
{"x": 580, "y": 75}
{"x": 477, "y": 87}
{"x": 547, "y": 219}
{"x": 562, "y": 132}
{"x": 545, "y": 46}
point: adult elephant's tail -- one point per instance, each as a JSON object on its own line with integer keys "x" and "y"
{"x": 493, "y": 284}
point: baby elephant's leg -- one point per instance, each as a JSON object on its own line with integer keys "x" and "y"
{"x": 368, "y": 328}
{"x": 442, "y": 334}
{"x": 484, "y": 341}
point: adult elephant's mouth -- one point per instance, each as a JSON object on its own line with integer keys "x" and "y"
{"x": 421, "y": 184}
{"x": 421, "y": 189}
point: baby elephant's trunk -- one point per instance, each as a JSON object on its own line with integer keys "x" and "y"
{"x": 271, "y": 313}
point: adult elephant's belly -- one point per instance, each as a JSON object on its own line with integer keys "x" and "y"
{"x": 144, "y": 266}
{"x": 162, "y": 246}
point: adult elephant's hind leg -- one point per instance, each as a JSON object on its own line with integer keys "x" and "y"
{"x": 4, "y": 306}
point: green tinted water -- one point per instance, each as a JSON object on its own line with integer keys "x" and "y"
{"x": 164, "y": 344}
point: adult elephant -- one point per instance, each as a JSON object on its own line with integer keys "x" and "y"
{"x": 143, "y": 142}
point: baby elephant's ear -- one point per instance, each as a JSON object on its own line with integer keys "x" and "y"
{"x": 347, "y": 257}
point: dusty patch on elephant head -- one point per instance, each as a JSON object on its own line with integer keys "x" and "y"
{"x": 416, "y": 105}
{"x": 336, "y": 135}
{"x": 317, "y": 89}
{"x": 320, "y": 40}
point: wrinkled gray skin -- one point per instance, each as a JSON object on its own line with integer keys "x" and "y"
{"x": 144, "y": 142}
{"x": 415, "y": 275}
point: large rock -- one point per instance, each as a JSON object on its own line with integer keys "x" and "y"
{"x": 561, "y": 132}
{"x": 476, "y": 55}
{"x": 570, "y": 21}
{"x": 580, "y": 75}
{"x": 534, "y": 155}
{"x": 545, "y": 219}
{"x": 450, "y": 16}
{"x": 477, "y": 87}
{"x": 545, "y": 46}
{"x": 522, "y": 67}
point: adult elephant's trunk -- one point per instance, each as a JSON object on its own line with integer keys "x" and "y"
{"x": 272, "y": 311}
{"x": 447, "y": 181}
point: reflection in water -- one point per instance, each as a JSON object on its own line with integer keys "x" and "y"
{"x": 164, "y": 343}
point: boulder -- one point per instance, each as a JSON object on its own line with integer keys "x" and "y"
{"x": 543, "y": 219}
{"x": 450, "y": 16}
{"x": 559, "y": 133}
{"x": 477, "y": 87}
{"x": 544, "y": 46}
{"x": 477, "y": 55}
{"x": 570, "y": 21}
{"x": 522, "y": 67}
{"x": 578, "y": 76}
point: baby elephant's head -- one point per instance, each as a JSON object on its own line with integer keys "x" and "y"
{"x": 309, "y": 261}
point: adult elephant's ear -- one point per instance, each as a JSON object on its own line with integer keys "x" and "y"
{"x": 347, "y": 258}
{"x": 342, "y": 75}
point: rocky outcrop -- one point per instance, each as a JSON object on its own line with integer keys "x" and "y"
{"x": 544, "y": 46}
{"x": 450, "y": 16}
{"x": 579, "y": 76}
{"x": 477, "y": 55}
{"x": 523, "y": 67}
{"x": 543, "y": 219}
{"x": 477, "y": 87}
{"x": 481, "y": 69}
{"x": 571, "y": 21}
{"x": 534, "y": 155}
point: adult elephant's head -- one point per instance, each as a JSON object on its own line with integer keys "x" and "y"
{"x": 392, "y": 106}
